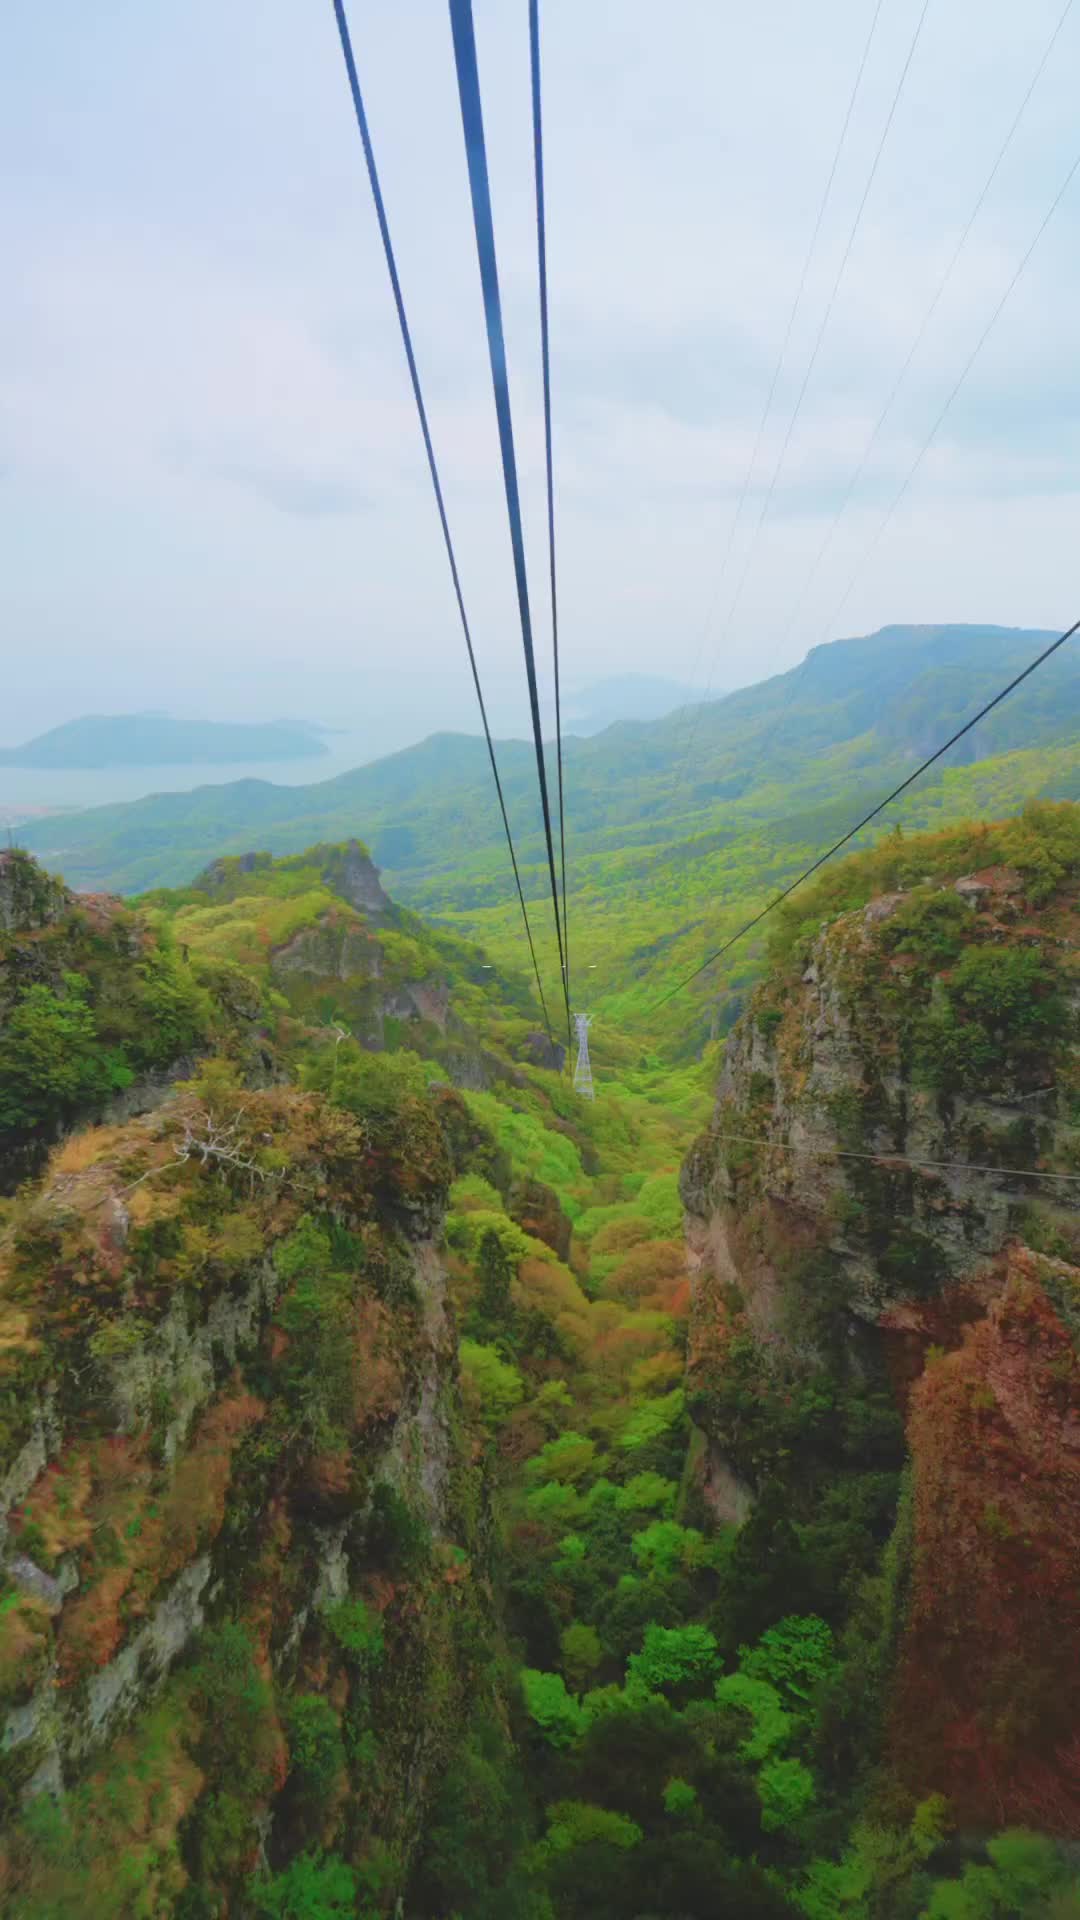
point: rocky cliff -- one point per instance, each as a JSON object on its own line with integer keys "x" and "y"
{"x": 319, "y": 931}
{"x": 242, "y": 1553}
{"x": 884, "y": 1218}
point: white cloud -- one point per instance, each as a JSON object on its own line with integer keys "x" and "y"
{"x": 203, "y": 403}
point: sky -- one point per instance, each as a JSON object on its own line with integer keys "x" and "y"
{"x": 213, "y": 496}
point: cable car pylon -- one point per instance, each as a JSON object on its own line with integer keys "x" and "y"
{"x": 583, "y": 1080}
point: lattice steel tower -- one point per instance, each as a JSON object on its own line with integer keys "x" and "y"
{"x": 582, "y": 1070}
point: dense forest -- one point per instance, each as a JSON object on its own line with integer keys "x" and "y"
{"x": 430, "y": 1492}
{"x": 679, "y": 829}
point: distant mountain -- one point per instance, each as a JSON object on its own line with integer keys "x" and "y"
{"x": 155, "y": 740}
{"x": 626, "y": 696}
{"x": 816, "y": 741}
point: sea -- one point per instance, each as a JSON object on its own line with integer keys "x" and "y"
{"x": 28, "y": 793}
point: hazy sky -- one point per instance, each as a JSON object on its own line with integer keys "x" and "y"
{"x": 212, "y": 491}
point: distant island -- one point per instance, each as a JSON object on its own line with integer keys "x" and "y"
{"x": 156, "y": 740}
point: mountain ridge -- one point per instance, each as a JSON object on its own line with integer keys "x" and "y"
{"x": 97, "y": 740}
{"x": 667, "y": 775}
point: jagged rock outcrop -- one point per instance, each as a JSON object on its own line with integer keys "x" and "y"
{"x": 29, "y": 897}
{"x": 346, "y": 869}
{"x": 885, "y": 1212}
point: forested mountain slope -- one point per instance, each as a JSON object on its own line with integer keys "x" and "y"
{"x": 852, "y": 714}
{"x": 364, "y": 1550}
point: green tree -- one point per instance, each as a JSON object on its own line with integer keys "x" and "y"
{"x": 795, "y": 1656}
{"x": 582, "y": 1652}
{"x": 313, "y": 1887}
{"x": 771, "y": 1726}
{"x": 316, "y": 1753}
{"x": 647, "y": 1493}
{"x": 569, "y": 1459}
{"x": 680, "y": 1800}
{"x": 786, "y": 1791}
{"x": 574, "y": 1823}
{"x": 559, "y": 1716}
{"x": 52, "y": 1062}
{"x": 492, "y": 1386}
{"x": 357, "y": 1630}
{"x": 495, "y": 1272}
{"x": 665, "y": 1546}
{"x": 1026, "y": 1872}
{"x": 679, "y": 1659}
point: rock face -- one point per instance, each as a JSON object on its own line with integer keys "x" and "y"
{"x": 228, "y": 1387}
{"x": 350, "y": 871}
{"x": 893, "y": 1125}
{"x": 994, "y": 1429}
{"x": 29, "y": 898}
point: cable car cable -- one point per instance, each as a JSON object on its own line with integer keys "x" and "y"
{"x": 545, "y": 355}
{"x": 406, "y": 336}
{"x": 472, "y": 122}
{"x": 872, "y": 815}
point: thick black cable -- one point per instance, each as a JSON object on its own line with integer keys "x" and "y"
{"x": 406, "y": 336}
{"x": 472, "y": 123}
{"x": 872, "y": 815}
{"x": 545, "y": 355}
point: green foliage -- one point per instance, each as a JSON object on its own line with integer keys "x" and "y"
{"x": 582, "y": 1651}
{"x": 52, "y": 1060}
{"x": 234, "y": 1701}
{"x": 357, "y": 1630}
{"x": 771, "y": 1725}
{"x": 476, "y": 1838}
{"x": 1025, "y": 1871}
{"x": 679, "y": 1659}
{"x": 491, "y": 1383}
{"x": 657, "y": 1789}
{"x": 316, "y": 1753}
{"x": 795, "y": 1656}
{"x": 786, "y": 1791}
{"x": 680, "y": 1800}
{"x": 495, "y": 1273}
{"x": 653, "y": 1421}
{"x": 398, "y": 1535}
{"x": 568, "y": 1459}
{"x": 1001, "y": 1007}
{"x": 554, "y": 1505}
{"x": 647, "y": 1493}
{"x": 558, "y": 1715}
{"x": 659, "y": 1202}
{"x": 317, "y": 1367}
{"x": 573, "y": 1823}
{"x": 172, "y": 1010}
{"x": 665, "y": 1545}
{"x": 312, "y": 1887}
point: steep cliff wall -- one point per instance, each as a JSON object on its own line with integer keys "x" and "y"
{"x": 243, "y": 1543}
{"x": 884, "y": 1219}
